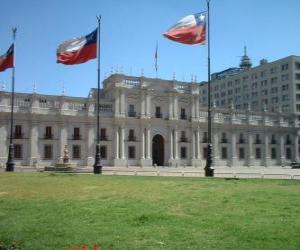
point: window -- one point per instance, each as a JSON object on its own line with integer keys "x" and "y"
{"x": 241, "y": 139}
{"x": 131, "y": 152}
{"x": 274, "y": 80}
{"x": 297, "y": 65}
{"x": 229, "y": 84}
{"x": 273, "y": 139}
{"x": 273, "y": 70}
{"x": 205, "y": 137}
{"x": 230, "y": 92}
{"x": 273, "y": 153}
{"x": 182, "y": 114}
{"x": 204, "y": 156}
{"x": 103, "y": 154}
{"x": 18, "y": 154}
{"x": 288, "y": 140}
{"x": 224, "y": 153}
{"x": 297, "y": 76}
{"x": 131, "y": 136}
{"x": 274, "y": 90}
{"x": 48, "y": 152}
{"x": 158, "y": 112}
{"x": 103, "y": 136}
{"x": 224, "y": 138}
{"x": 264, "y": 83}
{"x": 76, "y": 151}
{"x": 18, "y": 132}
{"x": 284, "y": 77}
{"x": 285, "y": 98}
{"x": 288, "y": 153}
{"x": 298, "y": 107}
{"x": 183, "y": 137}
{"x": 284, "y": 67}
{"x": 183, "y": 152}
{"x": 76, "y": 135}
{"x": 297, "y": 97}
{"x": 257, "y": 139}
{"x": 284, "y": 87}
{"x": 131, "y": 112}
{"x": 241, "y": 153}
{"x": 48, "y": 134}
{"x": 257, "y": 153}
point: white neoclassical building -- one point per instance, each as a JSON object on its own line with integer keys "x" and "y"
{"x": 143, "y": 122}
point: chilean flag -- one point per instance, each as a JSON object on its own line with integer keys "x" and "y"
{"x": 78, "y": 50}
{"x": 7, "y": 60}
{"x": 189, "y": 30}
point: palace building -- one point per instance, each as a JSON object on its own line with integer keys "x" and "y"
{"x": 146, "y": 122}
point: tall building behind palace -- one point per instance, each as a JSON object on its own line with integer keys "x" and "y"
{"x": 145, "y": 121}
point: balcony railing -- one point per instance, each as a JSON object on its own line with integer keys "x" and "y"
{"x": 131, "y": 114}
{"x": 131, "y": 138}
{"x": 183, "y": 117}
{"x": 76, "y": 137}
{"x": 18, "y": 136}
{"x": 183, "y": 139}
{"x": 103, "y": 138}
{"x": 48, "y": 136}
{"x": 158, "y": 115}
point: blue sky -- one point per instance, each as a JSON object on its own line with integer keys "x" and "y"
{"x": 129, "y": 31}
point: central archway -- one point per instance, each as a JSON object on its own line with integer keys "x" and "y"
{"x": 158, "y": 150}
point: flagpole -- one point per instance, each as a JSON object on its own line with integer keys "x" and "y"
{"x": 97, "y": 165}
{"x": 156, "y": 57}
{"x": 209, "y": 171}
{"x": 10, "y": 164}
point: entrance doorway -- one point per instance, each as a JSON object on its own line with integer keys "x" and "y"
{"x": 158, "y": 150}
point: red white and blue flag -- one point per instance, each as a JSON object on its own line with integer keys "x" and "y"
{"x": 78, "y": 50}
{"x": 189, "y": 30}
{"x": 7, "y": 60}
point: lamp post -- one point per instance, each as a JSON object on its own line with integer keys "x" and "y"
{"x": 209, "y": 170}
{"x": 10, "y": 164}
{"x": 97, "y": 164}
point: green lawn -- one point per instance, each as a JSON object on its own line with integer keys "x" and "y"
{"x": 57, "y": 211}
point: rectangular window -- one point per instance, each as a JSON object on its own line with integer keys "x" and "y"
{"x": 131, "y": 112}
{"x": 48, "y": 152}
{"x": 76, "y": 135}
{"x": 297, "y": 76}
{"x": 103, "y": 136}
{"x": 284, "y": 67}
{"x": 205, "y": 138}
{"x": 131, "y": 136}
{"x": 76, "y": 152}
{"x": 18, "y": 154}
{"x": 103, "y": 152}
{"x": 182, "y": 114}
{"x": 18, "y": 132}
{"x": 48, "y": 133}
{"x": 157, "y": 112}
{"x": 224, "y": 153}
{"x": 183, "y": 152}
{"x": 204, "y": 156}
{"x": 131, "y": 152}
{"x": 297, "y": 64}
{"x": 257, "y": 153}
{"x": 273, "y": 153}
{"x": 241, "y": 153}
{"x": 288, "y": 153}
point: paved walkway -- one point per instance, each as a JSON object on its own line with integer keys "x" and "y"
{"x": 221, "y": 172}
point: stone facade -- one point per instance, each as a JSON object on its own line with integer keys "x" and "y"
{"x": 144, "y": 122}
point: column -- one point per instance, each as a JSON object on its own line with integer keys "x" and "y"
{"x": 171, "y": 107}
{"x": 175, "y": 106}
{"x": 142, "y": 144}
{"x": 176, "y": 143}
{"x": 122, "y": 103}
{"x": 33, "y": 154}
{"x": 148, "y": 142}
{"x": 197, "y": 146}
{"x": 282, "y": 151}
{"x": 148, "y": 105}
{"x": 296, "y": 148}
{"x": 143, "y": 104}
{"x": 197, "y": 107}
{"x": 215, "y": 153}
{"x": 233, "y": 149}
{"x": 250, "y": 149}
{"x": 117, "y": 146}
{"x": 171, "y": 144}
{"x": 90, "y": 144}
{"x": 122, "y": 143}
{"x": 266, "y": 150}
{"x": 193, "y": 144}
{"x": 63, "y": 140}
{"x": 193, "y": 108}
{"x": 117, "y": 102}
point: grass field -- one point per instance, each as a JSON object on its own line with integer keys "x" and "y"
{"x": 61, "y": 211}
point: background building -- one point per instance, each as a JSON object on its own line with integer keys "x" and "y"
{"x": 144, "y": 122}
{"x": 270, "y": 86}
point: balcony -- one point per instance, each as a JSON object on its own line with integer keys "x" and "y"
{"x": 183, "y": 139}
{"x": 103, "y": 138}
{"x": 18, "y": 136}
{"x": 131, "y": 114}
{"x": 76, "y": 137}
{"x": 158, "y": 115}
{"x": 131, "y": 138}
{"x": 183, "y": 117}
{"x": 48, "y": 136}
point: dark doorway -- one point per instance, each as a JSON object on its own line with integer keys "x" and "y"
{"x": 158, "y": 150}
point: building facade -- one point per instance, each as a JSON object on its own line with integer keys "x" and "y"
{"x": 143, "y": 122}
{"x": 273, "y": 86}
